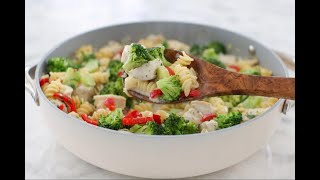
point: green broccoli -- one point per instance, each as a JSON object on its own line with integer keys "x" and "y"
{"x": 61, "y": 64}
{"x": 251, "y": 72}
{"x": 114, "y": 68}
{"x": 116, "y": 87}
{"x": 190, "y": 128}
{"x": 176, "y": 125}
{"x": 150, "y": 128}
{"x": 217, "y": 46}
{"x": 234, "y": 100}
{"x": 112, "y": 120}
{"x": 138, "y": 55}
{"x": 72, "y": 78}
{"x": 196, "y": 49}
{"x": 252, "y": 102}
{"x": 165, "y": 44}
{"x": 228, "y": 120}
{"x": 170, "y": 87}
{"x": 113, "y": 87}
{"x": 158, "y": 53}
{"x": 87, "y": 57}
{"x": 211, "y": 56}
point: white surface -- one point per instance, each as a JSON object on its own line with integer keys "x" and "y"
{"x": 50, "y": 22}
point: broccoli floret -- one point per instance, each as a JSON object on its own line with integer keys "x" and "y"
{"x": 252, "y": 102}
{"x": 72, "y": 78}
{"x": 176, "y": 125}
{"x": 87, "y": 57}
{"x": 190, "y": 128}
{"x": 158, "y": 53}
{"x": 114, "y": 68}
{"x": 251, "y": 72}
{"x": 113, "y": 87}
{"x": 211, "y": 56}
{"x": 61, "y": 64}
{"x": 228, "y": 120}
{"x": 112, "y": 120}
{"x": 234, "y": 100}
{"x": 116, "y": 87}
{"x": 197, "y": 50}
{"x": 165, "y": 44}
{"x": 150, "y": 128}
{"x": 217, "y": 46}
{"x": 138, "y": 55}
{"x": 170, "y": 87}
{"x": 173, "y": 125}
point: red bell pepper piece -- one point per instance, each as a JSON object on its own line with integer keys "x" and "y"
{"x": 133, "y": 114}
{"x": 155, "y": 93}
{"x": 109, "y": 103}
{"x": 193, "y": 93}
{"x": 43, "y": 81}
{"x": 66, "y": 100}
{"x": 237, "y": 68}
{"x": 61, "y": 107}
{"x": 120, "y": 73}
{"x": 171, "y": 72}
{"x": 138, "y": 120}
{"x": 157, "y": 118}
{"x": 208, "y": 117}
{"x": 88, "y": 120}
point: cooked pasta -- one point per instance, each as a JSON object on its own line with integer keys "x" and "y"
{"x": 85, "y": 49}
{"x": 152, "y": 40}
{"x": 143, "y": 87}
{"x": 52, "y": 88}
{"x": 163, "y": 114}
{"x": 56, "y": 75}
{"x": 85, "y": 108}
{"x": 218, "y": 104}
{"x": 109, "y": 50}
{"x": 184, "y": 59}
{"x": 174, "y": 44}
{"x": 100, "y": 77}
{"x": 187, "y": 78}
{"x": 143, "y": 107}
{"x": 77, "y": 100}
{"x": 100, "y": 112}
{"x": 146, "y": 113}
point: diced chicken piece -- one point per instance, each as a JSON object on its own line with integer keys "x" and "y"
{"x": 125, "y": 54}
{"x": 120, "y": 101}
{"x": 84, "y": 92}
{"x": 193, "y": 115}
{"x": 66, "y": 90}
{"x": 203, "y": 107}
{"x": 228, "y": 59}
{"x": 147, "y": 71}
{"x": 208, "y": 126}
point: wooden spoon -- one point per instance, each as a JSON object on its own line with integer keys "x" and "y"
{"x": 216, "y": 81}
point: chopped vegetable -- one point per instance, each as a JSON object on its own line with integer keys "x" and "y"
{"x": 110, "y": 103}
{"x": 115, "y": 67}
{"x": 210, "y": 56}
{"x": 252, "y": 102}
{"x": 112, "y": 120}
{"x": 137, "y": 120}
{"x": 228, "y": 120}
{"x": 155, "y": 93}
{"x": 158, "y": 53}
{"x": 176, "y": 125}
{"x": 251, "y": 72}
{"x": 208, "y": 117}
{"x": 60, "y": 64}
{"x": 170, "y": 87}
{"x": 162, "y": 72}
{"x": 88, "y": 120}
{"x": 61, "y": 107}
{"x": 138, "y": 55}
{"x": 236, "y": 68}
{"x": 43, "y": 81}
{"x": 171, "y": 72}
{"x": 72, "y": 78}
{"x": 66, "y": 100}
{"x": 150, "y": 128}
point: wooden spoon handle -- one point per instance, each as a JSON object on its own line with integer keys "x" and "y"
{"x": 259, "y": 85}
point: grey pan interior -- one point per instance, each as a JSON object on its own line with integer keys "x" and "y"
{"x": 185, "y": 32}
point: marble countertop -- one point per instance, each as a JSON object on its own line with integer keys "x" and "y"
{"x": 50, "y": 22}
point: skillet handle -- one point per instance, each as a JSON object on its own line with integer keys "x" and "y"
{"x": 29, "y": 83}
{"x": 289, "y": 61}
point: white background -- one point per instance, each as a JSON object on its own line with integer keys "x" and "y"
{"x": 48, "y": 23}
